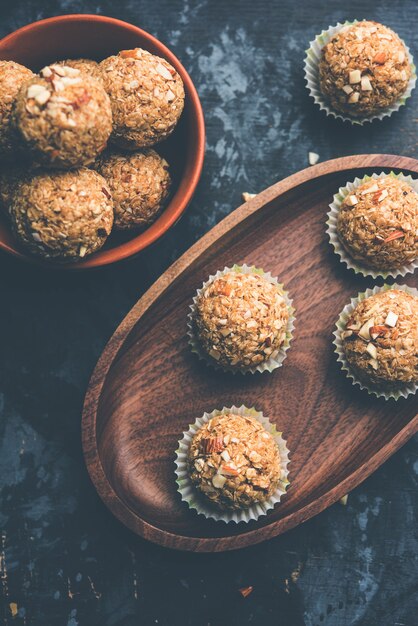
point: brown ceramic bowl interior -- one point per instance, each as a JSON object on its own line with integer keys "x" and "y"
{"x": 97, "y": 37}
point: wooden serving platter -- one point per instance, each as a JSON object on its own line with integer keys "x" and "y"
{"x": 148, "y": 386}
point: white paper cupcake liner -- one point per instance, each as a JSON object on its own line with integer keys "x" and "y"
{"x": 311, "y": 67}
{"x": 340, "y": 250}
{"x": 393, "y": 392}
{"x": 202, "y": 505}
{"x": 273, "y": 362}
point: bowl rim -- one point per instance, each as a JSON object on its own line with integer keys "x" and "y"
{"x": 172, "y": 212}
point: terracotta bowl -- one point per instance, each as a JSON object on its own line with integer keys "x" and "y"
{"x": 97, "y": 37}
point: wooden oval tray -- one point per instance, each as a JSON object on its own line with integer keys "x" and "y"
{"x": 148, "y": 386}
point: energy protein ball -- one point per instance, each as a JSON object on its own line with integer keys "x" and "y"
{"x": 87, "y": 66}
{"x": 12, "y": 77}
{"x": 378, "y": 223}
{"x": 139, "y": 183}
{"x": 241, "y": 319}
{"x": 64, "y": 117}
{"x": 147, "y": 97}
{"x": 234, "y": 461}
{"x": 364, "y": 69}
{"x": 63, "y": 216}
{"x": 380, "y": 340}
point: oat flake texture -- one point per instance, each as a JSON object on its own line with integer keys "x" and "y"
{"x": 87, "y": 66}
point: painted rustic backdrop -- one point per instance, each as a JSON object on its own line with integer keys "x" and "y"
{"x": 64, "y": 561}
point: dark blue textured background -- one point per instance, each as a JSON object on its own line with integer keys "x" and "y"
{"x": 64, "y": 561}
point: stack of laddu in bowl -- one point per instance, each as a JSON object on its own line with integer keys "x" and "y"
{"x": 61, "y": 185}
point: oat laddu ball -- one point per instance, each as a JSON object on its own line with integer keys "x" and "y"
{"x": 87, "y": 66}
{"x": 380, "y": 339}
{"x": 241, "y": 319}
{"x": 364, "y": 69}
{"x": 64, "y": 117}
{"x": 62, "y": 216}
{"x": 234, "y": 462}
{"x": 12, "y": 77}
{"x": 140, "y": 183}
{"x": 378, "y": 223}
{"x": 147, "y": 97}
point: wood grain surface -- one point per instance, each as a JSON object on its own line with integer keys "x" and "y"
{"x": 147, "y": 386}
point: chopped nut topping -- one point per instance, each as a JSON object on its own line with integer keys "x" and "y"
{"x": 372, "y": 350}
{"x": 378, "y": 331}
{"x": 248, "y": 196}
{"x": 245, "y": 591}
{"x": 354, "y": 77}
{"x": 391, "y": 319}
{"x": 347, "y": 89}
{"x": 58, "y": 69}
{"x": 372, "y": 189}
{"x": 218, "y": 481}
{"x": 351, "y": 200}
{"x": 383, "y": 194}
{"x": 39, "y": 93}
{"x": 226, "y": 456}
{"x": 396, "y": 234}
{"x": 364, "y": 331}
{"x": 46, "y": 72}
{"x": 164, "y": 72}
{"x": 355, "y": 97}
{"x": 129, "y": 54}
{"x": 199, "y": 464}
{"x": 366, "y": 84}
{"x": 212, "y": 444}
{"x": 228, "y": 470}
{"x": 380, "y": 58}
{"x": 313, "y": 158}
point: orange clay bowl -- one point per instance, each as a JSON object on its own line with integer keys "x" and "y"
{"x": 96, "y": 37}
